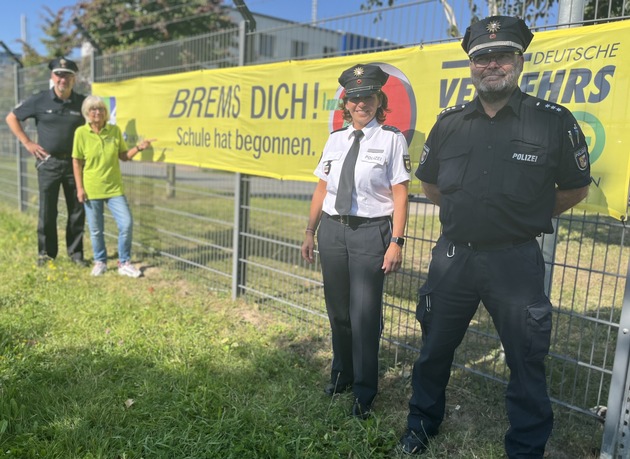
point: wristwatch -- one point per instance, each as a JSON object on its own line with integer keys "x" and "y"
{"x": 399, "y": 240}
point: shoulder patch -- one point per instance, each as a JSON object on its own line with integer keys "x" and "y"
{"x": 581, "y": 158}
{"x": 407, "y": 162}
{"x": 385, "y": 127}
{"x": 340, "y": 129}
{"x": 453, "y": 109}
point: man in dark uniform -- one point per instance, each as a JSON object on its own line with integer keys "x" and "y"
{"x": 499, "y": 167}
{"x": 57, "y": 114}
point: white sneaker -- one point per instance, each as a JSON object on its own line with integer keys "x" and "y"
{"x": 127, "y": 269}
{"x": 99, "y": 268}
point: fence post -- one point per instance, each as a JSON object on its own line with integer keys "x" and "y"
{"x": 616, "y": 438}
{"x": 570, "y": 12}
{"x": 241, "y": 191}
{"x": 170, "y": 180}
{"x": 22, "y": 185}
{"x": 239, "y": 240}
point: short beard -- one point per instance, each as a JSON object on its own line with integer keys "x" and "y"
{"x": 495, "y": 93}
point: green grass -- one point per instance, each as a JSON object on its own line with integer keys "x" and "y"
{"x": 166, "y": 367}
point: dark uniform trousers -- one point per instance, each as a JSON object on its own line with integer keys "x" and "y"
{"x": 51, "y": 175}
{"x": 351, "y": 258}
{"x": 510, "y": 284}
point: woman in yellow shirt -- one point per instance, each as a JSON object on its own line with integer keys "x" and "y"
{"x": 97, "y": 148}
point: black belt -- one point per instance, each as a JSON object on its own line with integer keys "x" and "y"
{"x": 353, "y": 220}
{"x": 490, "y": 246}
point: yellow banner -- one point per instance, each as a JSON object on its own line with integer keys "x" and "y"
{"x": 273, "y": 120}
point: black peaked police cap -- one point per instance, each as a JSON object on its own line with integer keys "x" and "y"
{"x": 497, "y": 34}
{"x": 362, "y": 80}
{"x": 61, "y": 64}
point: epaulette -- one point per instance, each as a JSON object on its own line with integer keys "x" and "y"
{"x": 386, "y": 127}
{"x": 453, "y": 109}
{"x": 340, "y": 129}
{"x": 549, "y": 107}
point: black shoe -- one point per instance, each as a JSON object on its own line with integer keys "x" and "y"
{"x": 81, "y": 262}
{"x": 43, "y": 260}
{"x": 413, "y": 442}
{"x": 361, "y": 411}
{"x": 332, "y": 389}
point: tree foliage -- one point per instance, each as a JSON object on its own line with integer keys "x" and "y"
{"x": 531, "y": 11}
{"x": 120, "y": 24}
{"x": 57, "y": 40}
{"x": 114, "y": 25}
{"x": 604, "y": 9}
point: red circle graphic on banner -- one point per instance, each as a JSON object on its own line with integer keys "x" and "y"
{"x": 402, "y": 103}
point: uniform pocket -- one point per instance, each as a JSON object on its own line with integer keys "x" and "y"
{"x": 373, "y": 166}
{"x": 41, "y": 163}
{"x": 525, "y": 173}
{"x": 453, "y": 164}
{"x": 330, "y": 164}
{"x": 538, "y": 330}
{"x": 374, "y": 156}
{"x": 423, "y": 311}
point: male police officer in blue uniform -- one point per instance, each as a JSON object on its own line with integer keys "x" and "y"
{"x": 499, "y": 167}
{"x": 57, "y": 114}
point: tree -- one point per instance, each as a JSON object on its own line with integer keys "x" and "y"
{"x": 58, "y": 41}
{"x": 602, "y": 10}
{"x": 530, "y": 10}
{"x": 115, "y": 25}
{"x": 120, "y": 24}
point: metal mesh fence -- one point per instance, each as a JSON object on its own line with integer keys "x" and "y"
{"x": 242, "y": 234}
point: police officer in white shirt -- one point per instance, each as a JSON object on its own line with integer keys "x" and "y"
{"x": 359, "y": 210}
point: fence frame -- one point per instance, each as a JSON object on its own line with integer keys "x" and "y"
{"x": 616, "y": 435}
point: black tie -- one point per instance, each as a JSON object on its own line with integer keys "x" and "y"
{"x": 343, "y": 204}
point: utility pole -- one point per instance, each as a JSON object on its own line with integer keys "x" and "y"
{"x": 23, "y": 30}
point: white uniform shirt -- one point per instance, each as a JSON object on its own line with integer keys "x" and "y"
{"x": 380, "y": 164}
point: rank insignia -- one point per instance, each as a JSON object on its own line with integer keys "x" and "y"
{"x": 407, "y": 160}
{"x": 425, "y": 153}
{"x": 327, "y": 167}
{"x": 581, "y": 158}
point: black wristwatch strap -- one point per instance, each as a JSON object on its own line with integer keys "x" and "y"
{"x": 399, "y": 240}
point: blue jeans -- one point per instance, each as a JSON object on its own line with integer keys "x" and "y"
{"x": 95, "y": 212}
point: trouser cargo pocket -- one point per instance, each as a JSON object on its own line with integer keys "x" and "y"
{"x": 538, "y": 330}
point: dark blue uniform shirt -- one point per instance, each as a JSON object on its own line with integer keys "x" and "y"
{"x": 498, "y": 175}
{"x": 56, "y": 120}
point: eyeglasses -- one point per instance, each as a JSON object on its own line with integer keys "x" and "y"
{"x": 500, "y": 58}
{"x": 63, "y": 74}
{"x": 96, "y": 109}
{"x": 364, "y": 99}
